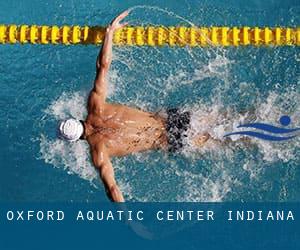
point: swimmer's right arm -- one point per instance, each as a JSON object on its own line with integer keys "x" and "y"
{"x": 103, "y": 164}
{"x": 105, "y": 56}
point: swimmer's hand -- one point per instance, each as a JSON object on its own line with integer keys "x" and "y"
{"x": 115, "y": 24}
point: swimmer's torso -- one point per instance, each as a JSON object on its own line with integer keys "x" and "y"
{"x": 124, "y": 130}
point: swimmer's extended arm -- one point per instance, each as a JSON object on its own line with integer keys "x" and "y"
{"x": 103, "y": 164}
{"x": 105, "y": 56}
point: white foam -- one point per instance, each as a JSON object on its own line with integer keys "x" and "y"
{"x": 200, "y": 188}
{"x": 68, "y": 105}
{"x": 72, "y": 157}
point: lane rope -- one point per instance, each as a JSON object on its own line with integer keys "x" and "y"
{"x": 152, "y": 35}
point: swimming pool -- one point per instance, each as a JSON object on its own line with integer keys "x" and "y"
{"x": 42, "y": 84}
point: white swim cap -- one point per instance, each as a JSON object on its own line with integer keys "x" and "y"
{"x": 70, "y": 130}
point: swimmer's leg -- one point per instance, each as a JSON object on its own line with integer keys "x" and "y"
{"x": 200, "y": 140}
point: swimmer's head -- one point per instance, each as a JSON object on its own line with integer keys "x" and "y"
{"x": 70, "y": 130}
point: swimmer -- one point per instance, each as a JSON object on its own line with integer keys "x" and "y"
{"x": 114, "y": 130}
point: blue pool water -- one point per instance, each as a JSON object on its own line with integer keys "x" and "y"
{"x": 42, "y": 84}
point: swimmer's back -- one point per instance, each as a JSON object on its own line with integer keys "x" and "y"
{"x": 126, "y": 130}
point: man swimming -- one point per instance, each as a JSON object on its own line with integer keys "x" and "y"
{"x": 117, "y": 130}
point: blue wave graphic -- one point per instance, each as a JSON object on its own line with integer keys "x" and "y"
{"x": 269, "y": 128}
{"x": 284, "y": 121}
{"x": 262, "y": 136}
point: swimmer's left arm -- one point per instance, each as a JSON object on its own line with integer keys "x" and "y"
{"x": 105, "y": 56}
{"x": 103, "y": 164}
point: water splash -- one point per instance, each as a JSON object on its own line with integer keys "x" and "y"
{"x": 74, "y": 158}
{"x": 192, "y": 185}
{"x": 215, "y": 85}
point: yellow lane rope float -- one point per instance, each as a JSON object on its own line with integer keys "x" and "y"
{"x": 152, "y": 36}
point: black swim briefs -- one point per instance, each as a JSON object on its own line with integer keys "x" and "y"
{"x": 177, "y": 124}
